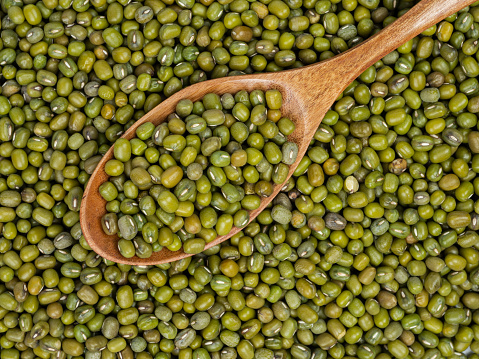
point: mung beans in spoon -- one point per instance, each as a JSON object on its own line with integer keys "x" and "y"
{"x": 192, "y": 178}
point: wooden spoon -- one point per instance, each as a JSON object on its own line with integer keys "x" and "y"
{"x": 308, "y": 93}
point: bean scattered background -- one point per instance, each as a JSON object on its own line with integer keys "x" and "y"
{"x": 380, "y": 257}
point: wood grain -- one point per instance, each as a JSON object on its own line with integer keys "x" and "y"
{"x": 308, "y": 93}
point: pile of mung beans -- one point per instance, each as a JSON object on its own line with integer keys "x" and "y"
{"x": 216, "y": 155}
{"x": 381, "y": 256}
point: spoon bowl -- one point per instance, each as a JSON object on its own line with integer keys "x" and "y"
{"x": 93, "y": 204}
{"x": 308, "y": 93}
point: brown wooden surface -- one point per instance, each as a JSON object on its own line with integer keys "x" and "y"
{"x": 308, "y": 93}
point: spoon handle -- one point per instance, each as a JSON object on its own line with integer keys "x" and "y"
{"x": 344, "y": 68}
